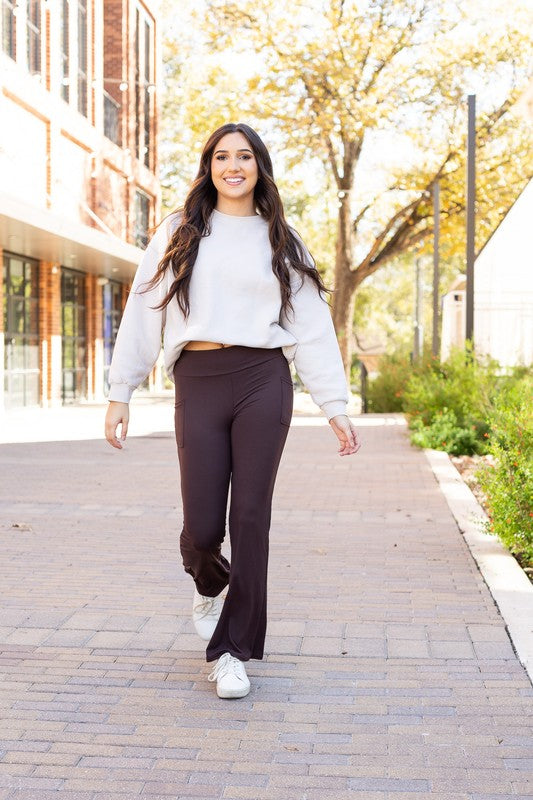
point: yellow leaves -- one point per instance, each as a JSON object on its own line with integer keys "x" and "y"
{"x": 394, "y": 73}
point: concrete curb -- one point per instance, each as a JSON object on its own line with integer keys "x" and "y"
{"x": 507, "y": 582}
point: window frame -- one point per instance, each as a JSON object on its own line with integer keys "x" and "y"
{"x": 9, "y": 24}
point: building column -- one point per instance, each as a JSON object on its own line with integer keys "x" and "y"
{"x": 50, "y": 333}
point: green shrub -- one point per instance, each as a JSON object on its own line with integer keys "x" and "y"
{"x": 385, "y": 391}
{"x": 508, "y": 482}
{"x": 445, "y": 433}
{"x": 464, "y": 384}
{"x": 448, "y": 403}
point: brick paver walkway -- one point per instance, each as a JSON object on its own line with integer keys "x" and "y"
{"x": 389, "y": 671}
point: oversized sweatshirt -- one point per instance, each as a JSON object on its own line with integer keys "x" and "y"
{"x": 235, "y": 299}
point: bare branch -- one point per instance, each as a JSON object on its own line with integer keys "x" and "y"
{"x": 332, "y": 160}
{"x": 371, "y": 40}
{"x": 397, "y": 47}
{"x": 365, "y": 270}
{"x": 359, "y": 217}
{"x": 403, "y": 216}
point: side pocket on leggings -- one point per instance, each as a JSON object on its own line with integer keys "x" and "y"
{"x": 287, "y": 394}
{"x": 178, "y": 421}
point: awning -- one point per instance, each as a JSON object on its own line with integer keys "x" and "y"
{"x": 42, "y": 234}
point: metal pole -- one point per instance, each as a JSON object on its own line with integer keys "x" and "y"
{"x": 470, "y": 216}
{"x": 364, "y": 386}
{"x": 418, "y": 343}
{"x": 435, "y": 345}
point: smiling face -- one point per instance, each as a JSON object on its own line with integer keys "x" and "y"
{"x": 234, "y": 174}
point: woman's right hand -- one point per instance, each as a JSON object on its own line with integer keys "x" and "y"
{"x": 117, "y": 414}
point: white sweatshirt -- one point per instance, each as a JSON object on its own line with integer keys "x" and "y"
{"x": 235, "y": 298}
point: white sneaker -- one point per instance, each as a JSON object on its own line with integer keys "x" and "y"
{"x": 205, "y": 613}
{"x": 231, "y": 677}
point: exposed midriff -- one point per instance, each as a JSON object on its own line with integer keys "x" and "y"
{"x": 199, "y": 345}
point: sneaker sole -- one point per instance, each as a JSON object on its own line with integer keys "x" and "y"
{"x": 233, "y": 694}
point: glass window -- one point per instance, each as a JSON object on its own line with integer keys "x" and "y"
{"x": 112, "y": 312}
{"x": 33, "y": 35}
{"x": 21, "y": 327}
{"x": 82, "y": 57}
{"x": 73, "y": 337}
{"x": 65, "y": 51}
{"x": 147, "y": 95}
{"x": 137, "y": 83}
{"x": 142, "y": 218}
{"x": 144, "y": 48}
{"x": 114, "y": 73}
{"x": 111, "y": 118}
{"x": 9, "y": 30}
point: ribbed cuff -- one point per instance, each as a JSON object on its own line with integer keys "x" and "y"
{"x": 333, "y": 407}
{"x": 120, "y": 392}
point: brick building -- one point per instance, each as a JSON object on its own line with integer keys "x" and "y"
{"x": 78, "y": 187}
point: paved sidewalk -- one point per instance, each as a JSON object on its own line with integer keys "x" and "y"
{"x": 389, "y": 672}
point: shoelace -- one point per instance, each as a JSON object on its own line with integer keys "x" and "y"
{"x": 226, "y": 664}
{"x": 208, "y": 607}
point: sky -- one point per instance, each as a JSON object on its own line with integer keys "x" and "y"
{"x": 492, "y": 16}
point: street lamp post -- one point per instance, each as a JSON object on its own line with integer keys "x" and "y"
{"x": 436, "y": 234}
{"x": 470, "y": 216}
{"x": 418, "y": 343}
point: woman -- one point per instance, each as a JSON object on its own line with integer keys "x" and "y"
{"x": 237, "y": 295}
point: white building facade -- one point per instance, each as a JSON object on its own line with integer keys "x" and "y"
{"x": 503, "y": 292}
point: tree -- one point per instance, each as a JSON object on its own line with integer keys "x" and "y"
{"x": 190, "y": 109}
{"x": 342, "y": 81}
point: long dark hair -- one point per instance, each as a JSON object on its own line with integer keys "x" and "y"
{"x": 182, "y": 248}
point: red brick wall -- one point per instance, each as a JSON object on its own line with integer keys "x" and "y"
{"x": 47, "y": 51}
{"x": 93, "y": 55}
{"x": 49, "y": 326}
{"x": 111, "y": 198}
{"x": 118, "y": 176}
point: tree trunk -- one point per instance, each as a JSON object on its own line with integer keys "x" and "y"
{"x": 345, "y": 283}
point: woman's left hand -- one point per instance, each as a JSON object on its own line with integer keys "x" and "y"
{"x": 346, "y": 434}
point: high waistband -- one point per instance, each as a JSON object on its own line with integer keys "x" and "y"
{"x": 221, "y": 360}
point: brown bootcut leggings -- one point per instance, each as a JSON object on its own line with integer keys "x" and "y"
{"x": 232, "y": 416}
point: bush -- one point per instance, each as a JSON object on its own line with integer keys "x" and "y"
{"x": 508, "y": 482}
{"x": 385, "y": 391}
{"x": 464, "y": 384}
{"x": 445, "y": 433}
{"x": 447, "y": 403}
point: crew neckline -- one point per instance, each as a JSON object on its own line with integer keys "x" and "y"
{"x": 218, "y": 213}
